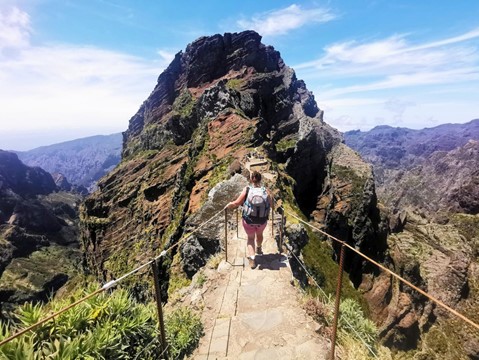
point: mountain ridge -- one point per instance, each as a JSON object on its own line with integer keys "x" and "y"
{"x": 82, "y": 161}
{"x": 225, "y": 100}
{"x": 38, "y": 233}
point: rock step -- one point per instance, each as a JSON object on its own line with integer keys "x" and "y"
{"x": 259, "y": 316}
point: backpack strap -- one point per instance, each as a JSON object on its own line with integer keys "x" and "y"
{"x": 246, "y": 196}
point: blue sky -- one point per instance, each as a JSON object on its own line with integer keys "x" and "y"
{"x": 75, "y": 68}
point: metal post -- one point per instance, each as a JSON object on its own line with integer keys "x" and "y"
{"x": 336, "y": 305}
{"x": 156, "y": 280}
{"x": 272, "y": 220}
{"x": 281, "y": 233}
{"x": 226, "y": 235}
{"x": 237, "y": 222}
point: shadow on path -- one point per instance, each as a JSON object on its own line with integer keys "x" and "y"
{"x": 271, "y": 261}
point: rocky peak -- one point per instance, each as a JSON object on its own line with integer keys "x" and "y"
{"x": 229, "y": 61}
{"x": 224, "y": 103}
{"x": 23, "y": 180}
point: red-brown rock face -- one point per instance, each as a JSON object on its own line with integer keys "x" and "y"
{"x": 224, "y": 98}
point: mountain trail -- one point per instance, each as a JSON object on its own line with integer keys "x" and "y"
{"x": 254, "y": 313}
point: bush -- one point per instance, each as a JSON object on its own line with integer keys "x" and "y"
{"x": 107, "y": 326}
{"x": 183, "y": 332}
{"x": 352, "y": 321}
{"x": 355, "y": 332}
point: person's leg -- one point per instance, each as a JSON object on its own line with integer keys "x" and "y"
{"x": 259, "y": 239}
{"x": 250, "y": 232}
{"x": 250, "y": 245}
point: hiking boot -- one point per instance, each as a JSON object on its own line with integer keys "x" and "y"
{"x": 259, "y": 250}
{"x": 252, "y": 262}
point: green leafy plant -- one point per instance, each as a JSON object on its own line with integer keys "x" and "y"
{"x": 200, "y": 279}
{"x": 106, "y": 326}
{"x": 183, "y": 332}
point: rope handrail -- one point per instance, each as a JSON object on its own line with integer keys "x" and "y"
{"x": 186, "y": 236}
{"x": 107, "y": 285}
{"x": 358, "y": 336}
{"x": 430, "y": 297}
{"x": 48, "y": 318}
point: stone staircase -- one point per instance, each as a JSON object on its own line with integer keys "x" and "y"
{"x": 256, "y": 313}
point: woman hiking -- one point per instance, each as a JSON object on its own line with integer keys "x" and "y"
{"x": 256, "y": 201}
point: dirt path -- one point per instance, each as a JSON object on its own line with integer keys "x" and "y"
{"x": 255, "y": 313}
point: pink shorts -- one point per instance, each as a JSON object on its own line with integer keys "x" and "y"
{"x": 252, "y": 229}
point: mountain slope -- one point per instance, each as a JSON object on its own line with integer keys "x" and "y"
{"x": 82, "y": 161}
{"x": 431, "y": 170}
{"x": 38, "y": 233}
{"x": 391, "y": 147}
{"x": 428, "y": 179}
{"x": 225, "y": 100}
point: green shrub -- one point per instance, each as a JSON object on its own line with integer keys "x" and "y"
{"x": 183, "y": 332}
{"x": 235, "y": 84}
{"x": 106, "y": 326}
{"x": 353, "y": 322}
{"x": 355, "y": 330}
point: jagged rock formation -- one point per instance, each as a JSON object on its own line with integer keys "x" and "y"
{"x": 431, "y": 191}
{"x": 224, "y": 99}
{"x": 82, "y": 162}
{"x": 38, "y": 232}
{"x": 445, "y": 182}
{"x": 62, "y": 183}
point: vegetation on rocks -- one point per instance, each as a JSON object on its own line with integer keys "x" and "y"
{"x": 184, "y": 104}
{"x": 235, "y": 84}
{"x": 318, "y": 257}
{"x": 108, "y": 326}
{"x": 358, "y": 335}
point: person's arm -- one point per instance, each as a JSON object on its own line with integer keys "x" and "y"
{"x": 239, "y": 201}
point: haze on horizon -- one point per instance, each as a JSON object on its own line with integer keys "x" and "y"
{"x": 71, "y": 69}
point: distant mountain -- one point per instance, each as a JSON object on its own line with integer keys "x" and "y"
{"x": 392, "y": 147}
{"x": 433, "y": 170}
{"x": 83, "y": 161}
{"x": 38, "y": 233}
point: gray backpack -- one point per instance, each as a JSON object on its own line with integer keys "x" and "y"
{"x": 256, "y": 206}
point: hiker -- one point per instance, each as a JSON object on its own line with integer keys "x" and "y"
{"x": 256, "y": 201}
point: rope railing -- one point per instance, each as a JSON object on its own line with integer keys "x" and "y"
{"x": 186, "y": 236}
{"x": 48, "y": 318}
{"x": 358, "y": 336}
{"x": 109, "y": 284}
{"x": 430, "y": 297}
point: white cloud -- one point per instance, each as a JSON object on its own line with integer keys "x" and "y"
{"x": 396, "y": 82}
{"x": 280, "y": 22}
{"x": 420, "y": 78}
{"x": 166, "y": 56}
{"x": 414, "y": 114}
{"x": 392, "y": 56}
{"x": 15, "y": 28}
{"x": 69, "y": 87}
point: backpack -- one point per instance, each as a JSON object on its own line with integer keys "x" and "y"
{"x": 256, "y": 206}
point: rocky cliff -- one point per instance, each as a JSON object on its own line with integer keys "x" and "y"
{"x": 38, "y": 233}
{"x": 224, "y": 101}
{"x": 428, "y": 181}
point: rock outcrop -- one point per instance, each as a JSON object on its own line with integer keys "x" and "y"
{"x": 223, "y": 101}
{"x": 38, "y": 233}
{"x": 430, "y": 190}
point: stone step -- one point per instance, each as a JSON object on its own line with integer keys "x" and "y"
{"x": 256, "y": 311}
